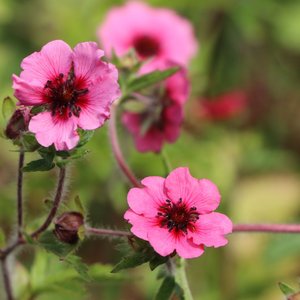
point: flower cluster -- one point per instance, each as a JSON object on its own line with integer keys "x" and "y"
{"x": 162, "y": 39}
{"x": 176, "y": 214}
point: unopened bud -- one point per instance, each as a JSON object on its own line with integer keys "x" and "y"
{"x": 67, "y": 226}
{"x": 18, "y": 123}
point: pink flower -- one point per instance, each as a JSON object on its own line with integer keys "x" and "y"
{"x": 163, "y": 115}
{"x": 176, "y": 214}
{"x": 152, "y": 32}
{"x": 74, "y": 88}
{"x": 224, "y": 106}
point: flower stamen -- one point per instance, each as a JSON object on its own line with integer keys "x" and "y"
{"x": 177, "y": 216}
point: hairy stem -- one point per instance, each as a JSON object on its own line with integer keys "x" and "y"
{"x": 182, "y": 280}
{"x": 107, "y": 232}
{"x": 56, "y": 203}
{"x": 6, "y": 280}
{"x": 117, "y": 149}
{"x": 267, "y": 228}
{"x": 20, "y": 193}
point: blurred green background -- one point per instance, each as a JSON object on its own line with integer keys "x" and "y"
{"x": 253, "y": 157}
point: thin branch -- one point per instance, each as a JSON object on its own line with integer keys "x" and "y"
{"x": 20, "y": 194}
{"x": 117, "y": 149}
{"x": 267, "y": 228}
{"x": 6, "y": 280}
{"x": 56, "y": 203}
{"x": 107, "y": 232}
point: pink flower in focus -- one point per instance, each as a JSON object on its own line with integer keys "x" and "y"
{"x": 152, "y": 32}
{"x": 163, "y": 115}
{"x": 74, "y": 87}
{"x": 224, "y": 106}
{"x": 176, "y": 214}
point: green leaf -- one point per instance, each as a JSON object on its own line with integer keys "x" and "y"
{"x": 157, "y": 260}
{"x": 47, "y": 153}
{"x": 8, "y": 107}
{"x": 286, "y": 290}
{"x": 131, "y": 261}
{"x": 85, "y": 136}
{"x": 81, "y": 268}
{"x": 49, "y": 242}
{"x": 166, "y": 289}
{"x": 38, "y": 165}
{"x": 149, "y": 79}
{"x": 29, "y": 142}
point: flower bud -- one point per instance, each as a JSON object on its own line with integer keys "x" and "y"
{"x": 67, "y": 226}
{"x": 18, "y": 122}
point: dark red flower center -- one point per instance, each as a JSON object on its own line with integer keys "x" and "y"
{"x": 177, "y": 216}
{"x": 63, "y": 94}
{"x": 146, "y": 46}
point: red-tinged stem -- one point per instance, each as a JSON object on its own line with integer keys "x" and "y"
{"x": 6, "y": 280}
{"x": 107, "y": 232}
{"x": 56, "y": 203}
{"x": 117, "y": 149}
{"x": 267, "y": 228}
{"x": 20, "y": 194}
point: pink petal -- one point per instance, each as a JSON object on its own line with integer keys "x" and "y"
{"x": 87, "y": 61}
{"x": 53, "y": 59}
{"x": 140, "y": 224}
{"x": 28, "y": 94}
{"x": 48, "y": 131}
{"x": 162, "y": 241}
{"x": 102, "y": 93}
{"x": 147, "y": 200}
{"x": 210, "y": 230}
{"x": 203, "y": 194}
{"x": 185, "y": 248}
{"x": 150, "y": 141}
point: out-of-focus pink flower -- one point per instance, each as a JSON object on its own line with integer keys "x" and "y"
{"x": 161, "y": 120}
{"x": 176, "y": 214}
{"x": 74, "y": 87}
{"x": 152, "y": 32}
{"x": 224, "y": 106}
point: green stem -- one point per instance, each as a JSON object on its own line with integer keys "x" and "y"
{"x": 166, "y": 161}
{"x": 182, "y": 280}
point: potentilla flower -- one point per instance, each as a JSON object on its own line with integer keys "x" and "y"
{"x": 152, "y": 32}
{"x": 176, "y": 214}
{"x": 74, "y": 88}
{"x": 224, "y": 106}
{"x": 162, "y": 117}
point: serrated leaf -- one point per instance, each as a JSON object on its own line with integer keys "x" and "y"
{"x": 81, "y": 268}
{"x": 29, "y": 142}
{"x": 85, "y": 136}
{"x": 286, "y": 290}
{"x": 8, "y": 107}
{"x": 149, "y": 79}
{"x": 131, "y": 261}
{"x": 38, "y": 165}
{"x": 47, "y": 153}
{"x": 49, "y": 242}
{"x": 166, "y": 289}
{"x": 157, "y": 260}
